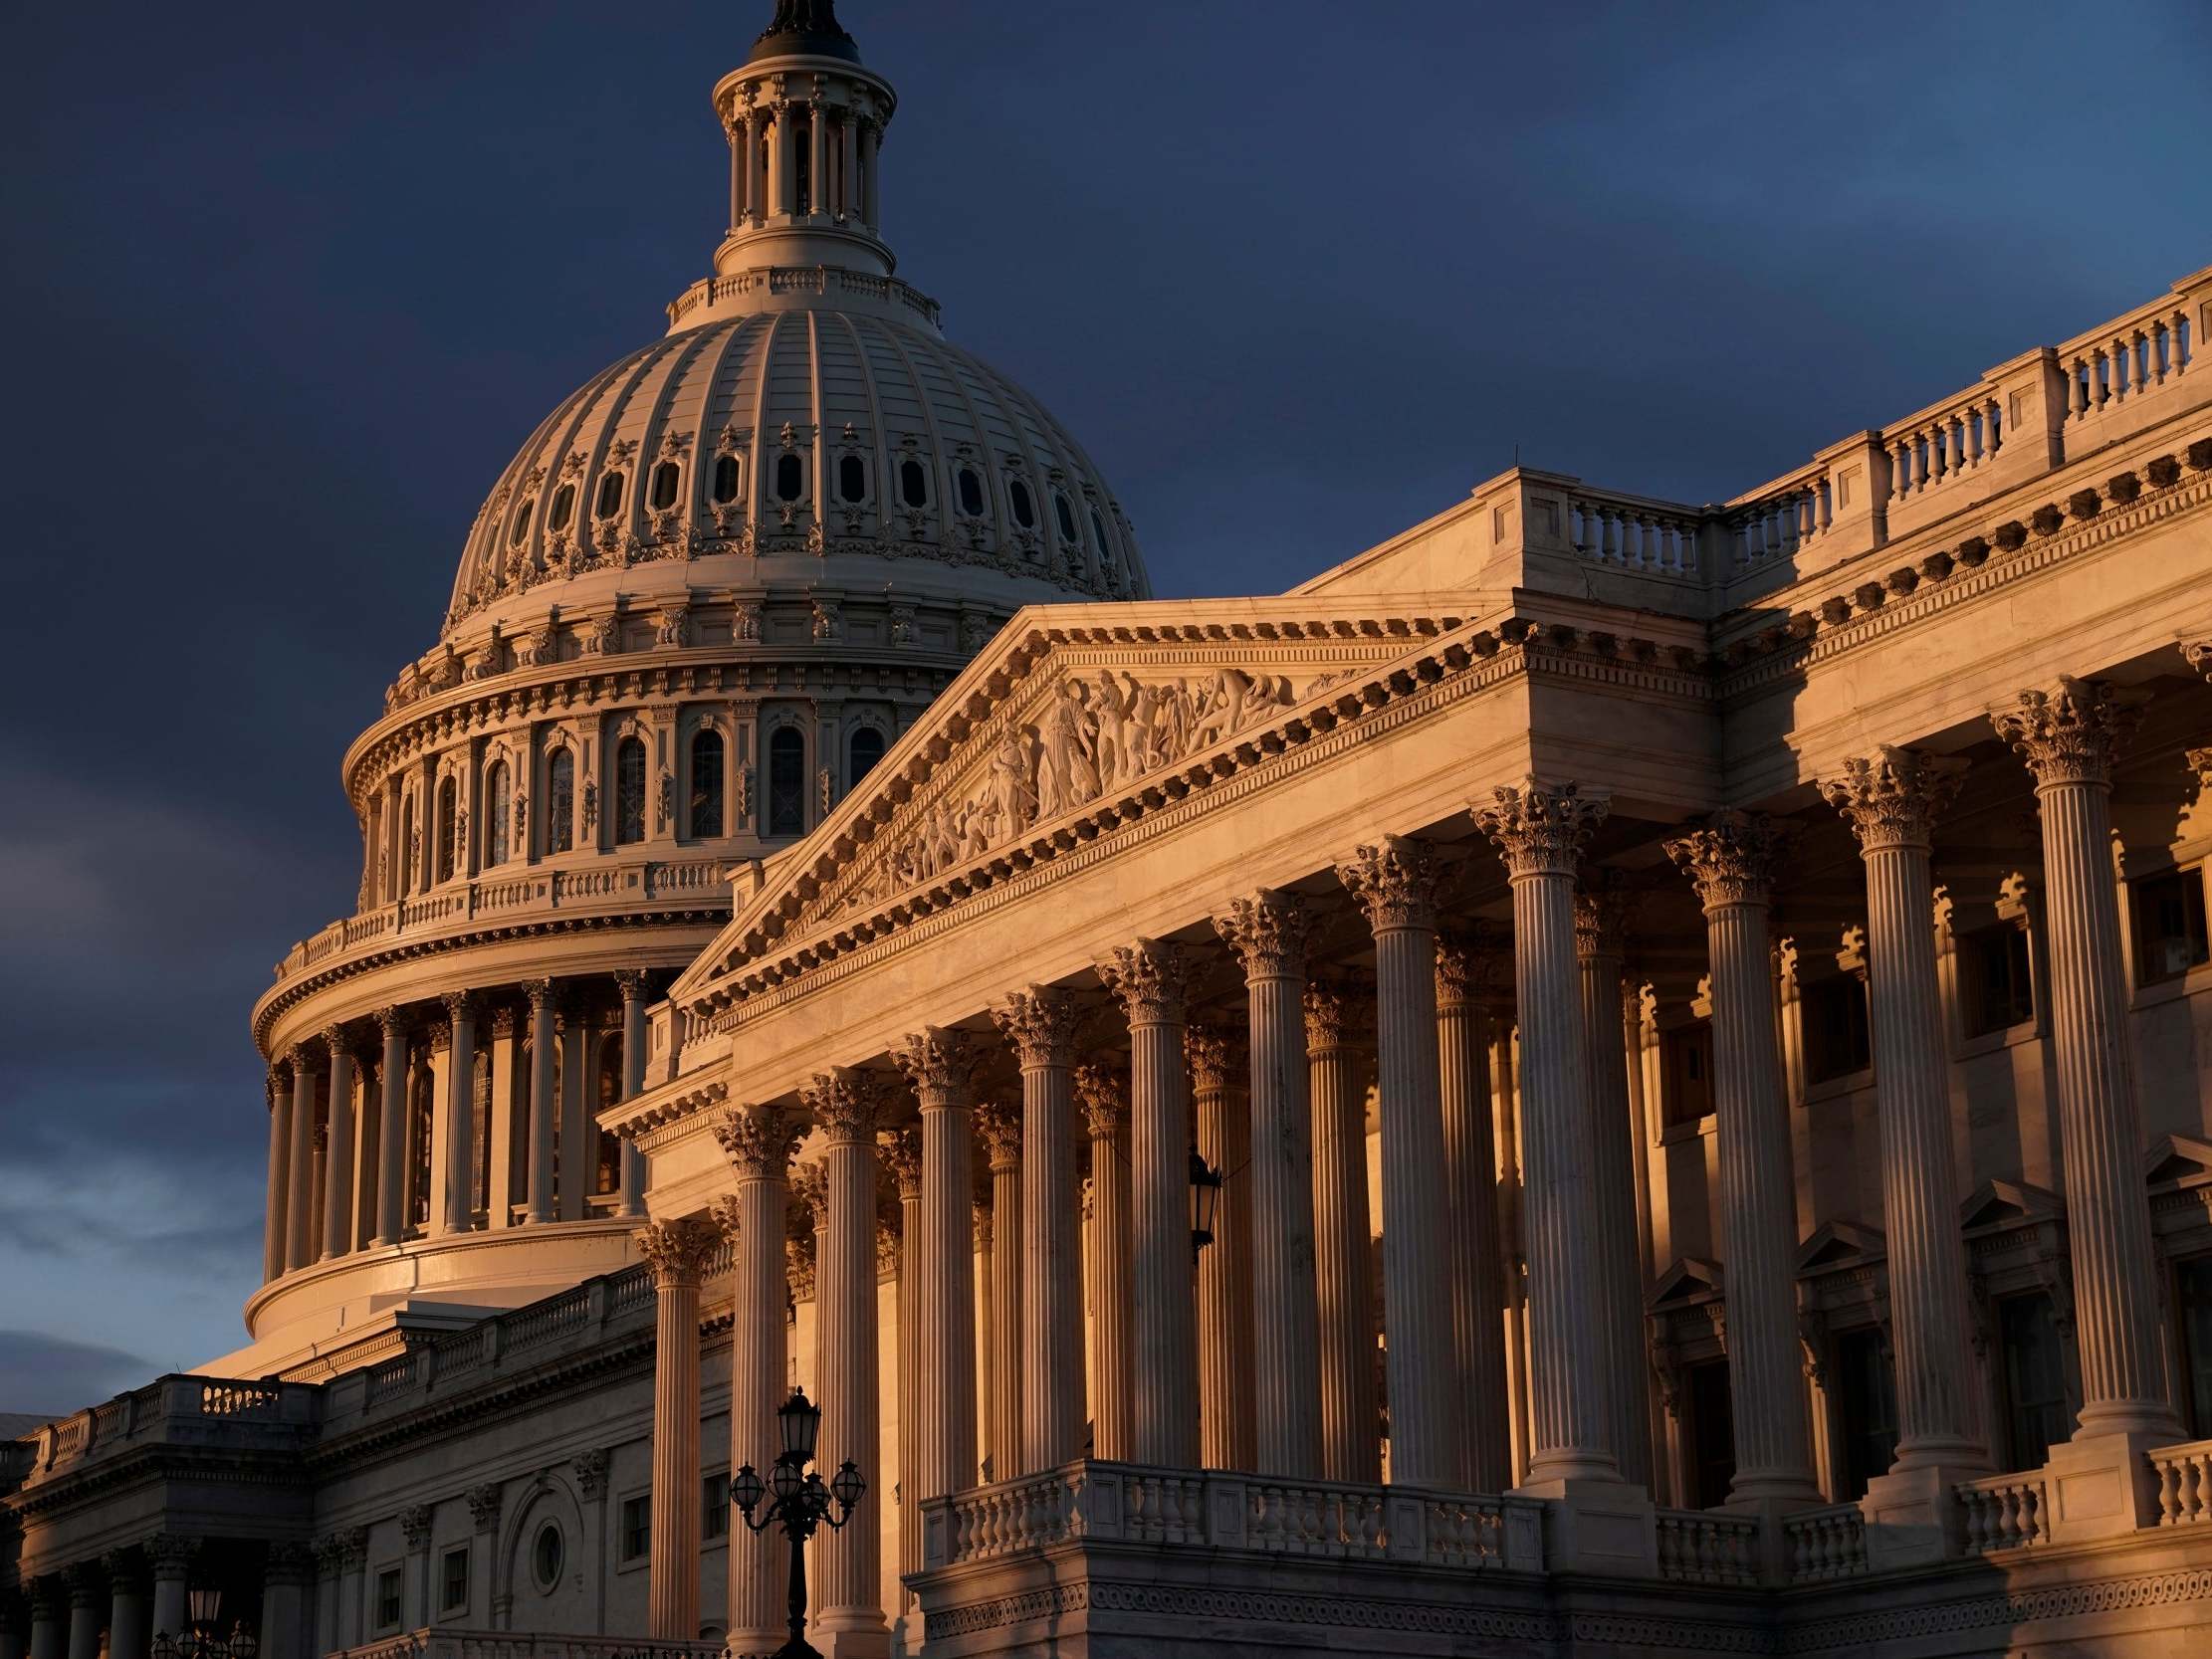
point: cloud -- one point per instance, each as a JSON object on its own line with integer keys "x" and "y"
{"x": 54, "y": 1375}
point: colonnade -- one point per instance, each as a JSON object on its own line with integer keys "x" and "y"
{"x": 434, "y": 1119}
{"x": 114, "y": 1605}
{"x": 770, "y": 143}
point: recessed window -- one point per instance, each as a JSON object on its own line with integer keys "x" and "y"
{"x": 2169, "y": 924}
{"x": 787, "y": 782}
{"x": 609, "y": 500}
{"x": 714, "y": 1498}
{"x": 499, "y": 807}
{"x": 1687, "y": 1073}
{"x": 914, "y": 484}
{"x": 562, "y": 508}
{"x": 387, "y": 1599}
{"x": 546, "y": 1553}
{"x": 1066, "y": 515}
{"x": 864, "y": 751}
{"x": 448, "y": 826}
{"x": 1866, "y": 1402}
{"x": 1838, "y": 1042}
{"x": 2192, "y": 1281}
{"x": 637, "y": 1525}
{"x": 561, "y": 801}
{"x": 726, "y": 479}
{"x": 666, "y": 477}
{"x": 1996, "y": 985}
{"x": 2030, "y": 1379}
{"x": 453, "y": 1579}
{"x": 522, "y": 525}
{"x": 970, "y": 493}
{"x": 629, "y": 791}
{"x": 706, "y": 782}
{"x": 1024, "y": 511}
{"x": 1710, "y": 1433}
{"x": 790, "y": 477}
{"x": 852, "y": 479}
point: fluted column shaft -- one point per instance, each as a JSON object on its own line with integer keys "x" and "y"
{"x": 1344, "y": 1285}
{"x": 632, "y": 986}
{"x": 2069, "y": 738}
{"x": 299, "y": 1211}
{"x": 274, "y": 1230}
{"x": 758, "y": 1143}
{"x": 1470, "y": 1181}
{"x": 817, "y": 159}
{"x": 903, "y": 1151}
{"x": 1105, "y": 1099}
{"x": 337, "y": 1163}
{"x": 676, "y": 1252}
{"x": 1539, "y": 831}
{"x": 1040, "y": 1024}
{"x": 1891, "y": 801}
{"x": 1225, "y": 1282}
{"x": 935, "y": 1064}
{"x": 457, "y": 1124}
{"x": 543, "y": 1106}
{"x": 1734, "y": 861}
{"x": 1001, "y": 1129}
{"x": 391, "y": 1130}
{"x": 1148, "y": 977}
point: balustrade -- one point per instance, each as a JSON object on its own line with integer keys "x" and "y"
{"x": 1634, "y": 537}
{"x": 1826, "y": 1543}
{"x": 2184, "y": 1483}
{"x": 2005, "y": 1511}
{"x": 1698, "y": 1546}
{"x": 2126, "y": 358}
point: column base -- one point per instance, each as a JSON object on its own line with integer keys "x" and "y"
{"x": 1913, "y": 1516}
{"x": 2103, "y": 1485}
{"x": 1597, "y": 1526}
{"x": 854, "y": 1643}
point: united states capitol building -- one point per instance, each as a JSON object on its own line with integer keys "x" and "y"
{"x": 1604, "y": 1077}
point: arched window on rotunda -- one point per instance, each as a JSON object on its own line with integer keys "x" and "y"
{"x": 448, "y": 828}
{"x": 629, "y": 791}
{"x": 499, "y": 808}
{"x": 787, "y": 782}
{"x": 706, "y": 782}
{"x": 561, "y": 801}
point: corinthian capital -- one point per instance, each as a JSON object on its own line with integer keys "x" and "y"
{"x": 848, "y": 1103}
{"x": 676, "y": 1251}
{"x": 1734, "y": 859}
{"x": 1470, "y": 965}
{"x": 1148, "y": 979}
{"x": 1268, "y": 933}
{"x": 339, "y": 1043}
{"x": 2198, "y": 653}
{"x": 1602, "y": 900}
{"x": 1539, "y": 829}
{"x": 2072, "y": 734}
{"x": 759, "y": 1140}
{"x": 935, "y": 1064}
{"x": 727, "y": 1215}
{"x": 999, "y": 1125}
{"x": 1104, "y": 1097}
{"x": 1892, "y": 797}
{"x": 901, "y": 1154}
{"x": 1336, "y": 1014}
{"x": 1040, "y": 1024}
{"x": 1207, "y": 1054}
{"x": 1395, "y": 882}
{"x": 811, "y": 1191}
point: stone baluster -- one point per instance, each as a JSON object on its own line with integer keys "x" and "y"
{"x": 1105, "y": 1100}
{"x": 1734, "y": 861}
{"x": 677, "y": 1253}
{"x": 847, "y": 1104}
{"x": 1891, "y": 800}
{"x": 759, "y": 1142}
{"x": 275, "y": 1231}
{"x": 1464, "y": 981}
{"x": 631, "y": 983}
{"x": 1148, "y": 979}
{"x": 1270, "y": 932}
{"x": 901, "y": 1151}
{"x": 2068, "y": 736}
{"x": 337, "y": 1164}
{"x": 1222, "y": 1118}
{"x": 1394, "y": 881}
{"x": 1539, "y": 830}
{"x": 937, "y": 1065}
{"x": 999, "y": 1124}
{"x": 391, "y": 1129}
{"x": 1337, "y": 1027}
{"x": 1040, "y": 1023}
{"x": 299, "y": 1243}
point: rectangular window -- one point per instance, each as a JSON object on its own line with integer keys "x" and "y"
{"x": 1867, "y": 1403}
{"x": 637, "y": 1525}
{"x": 1686, "y": 1070}
{"x": 455, "y": 1579}
{"x": 387, "y": 1599}
{"x": 1837, "y": 1040}
{"x": 1711, "y": 1452}
{"x": 713, "y": 1521}
{"x": 2031, "y": 1379}
{"x": 1999, "y": 993}
{"x": 2193, "y": 1305}
{"x": 2169, "y": 924}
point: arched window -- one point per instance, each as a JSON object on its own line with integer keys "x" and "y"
{"x": 497, "y": 805}
{"x": 607, "y": 1168}
{"x": 914, "y": 484}
{"x": 790, "y": 477}
{"x": 863, "y": 752}
{"x": 610, "y": 495}
{"x": 561, "y": 801}
{"x": 1024, "y": 512}
{"x": 522, "y": 525}
{"x": 418, "y": 1145}
{"x": 706, "y": 782}
{"x": 446, "y": 830}
{"x": 1066, "y": 515}
{"x": 787, "y": 782}
{"x": 726, "y": 479}
{"x": 852, "y": 479}
{"x": 970, "y": 493}
{"x": 666, "y": 476}
{"x": 480, "y": 1135}
{"x": 406, "y": 846}
{"x": 564, "y": 505}
{"x": 629, "y": 791}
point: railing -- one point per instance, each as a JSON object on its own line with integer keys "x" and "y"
{"x": 2184, "y": 1483}
{"x": 445, "y": 1642}
{"x": 1780, "y": 520}
{"x": 1944, "y": 444}
{"x": 1696, "y": 1547}
{"x": 2126, "y": 358}
{"x": 391, "y": 1376}
{"x": 1633, "y": 535}
{"x": 1826, "y": 1544}
{"x": 177, "y": 1406}
{"x": 1335, "y": 1521}
{"x": 2005, "y": 1511}
{"x": 235, "y": 1399}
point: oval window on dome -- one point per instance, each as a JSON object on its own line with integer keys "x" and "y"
{"x": 790, "y": 477}
{"x": 1099, "y": 530}
{"x": 522, "y": 525}
{"x": 914, "y": 484}
{"x": 726, "y": 479}
{"x": 610, "y": 499}
{"x": 970, "y": 493}
{"x": 1025, "y": 510}
{"x": 564, "y": 505}
{"x": 1066, "y": 515}
{"x": 666, "y": 477}
{"x": 852, "y": 479}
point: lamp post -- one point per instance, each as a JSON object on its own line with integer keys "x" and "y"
{"x": 199, "y": 1641}
{"x": 1206, "y": 1194}
{"x": 799, "y": 1502}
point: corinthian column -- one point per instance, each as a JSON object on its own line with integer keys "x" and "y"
{"x": 1733, "y": 861}
{"x": 1601, "y": 914}
{"x": 759, "y": 1142}
{"x": 1395, "y": 883}
{"x": 391, "y": 1130}
{"x": 676, "y": 1252}
{"x": 847, "y": 1104}
{"x": 337, "y": 1164}
{"x": 456, "y": 1124}
{"x": 542, "y": 1103}
{"x": 937, "y": 1065}
{"x": 632, "y": 1166}
{"x": 273, "y": 1231}
{"x": 999, "y": 1126}
{"x": 1268, "y": 933}
{"x": 1148, "y": 979}
{"x": 1539, "y": 831}
{"x": 901, "y": 1149}
{"x": 1476, "y": 1277}
{"x": 1892, "y": 799}
{"x": 2068, "y": 736}
{"x": 1105, "y": 1104}
{"x": 1224, "y": 1293}
{"x": 299, "y": 1211}
{"x": 1344, "y": 1283}
{"x": 1040, "y": 1024}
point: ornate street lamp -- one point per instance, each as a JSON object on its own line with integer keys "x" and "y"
{"x": 199, "y": 1641}
{"x": 798, "y": 1501}
{"x": 1206, "y": 1194}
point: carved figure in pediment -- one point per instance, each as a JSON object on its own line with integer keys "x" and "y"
{"x": 1012, "y": 795}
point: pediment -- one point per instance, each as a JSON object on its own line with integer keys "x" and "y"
{"x": 2177, "y": 1161}
{"x": 1835, "y": 1244}
{"x": 2009, "y": 1204}
{"x": 1691, "y": 1279}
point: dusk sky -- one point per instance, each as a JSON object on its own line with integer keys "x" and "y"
{"x": 287, "y": 286}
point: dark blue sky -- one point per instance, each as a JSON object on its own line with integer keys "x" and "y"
{"x": 287, "y": 286}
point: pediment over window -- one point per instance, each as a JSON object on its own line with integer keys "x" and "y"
{"x": 2178, "y": 1160}
{"x": 1691, "y": 1279}
{"x": 1840, "y": 1244}
{"x": 2009, "y": 1204}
